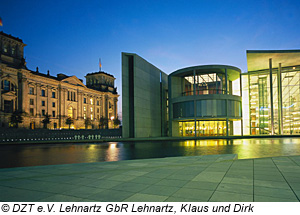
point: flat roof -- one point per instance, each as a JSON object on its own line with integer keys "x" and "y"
{"x": 232, "y": 72}
{"x": 259, "y": 59}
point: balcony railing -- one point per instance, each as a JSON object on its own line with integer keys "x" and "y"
{"x": 204, "y": 92}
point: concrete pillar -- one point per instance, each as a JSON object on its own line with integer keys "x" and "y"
{"x": 226, "y": 85}
{"x": 271, "y": 97}
{"x": 279, "y": 87}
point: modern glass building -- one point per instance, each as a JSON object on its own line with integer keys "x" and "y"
{"x": 271, "y": 93}
{"x": 217, "y": 100}
{"x": 205, "y": 101}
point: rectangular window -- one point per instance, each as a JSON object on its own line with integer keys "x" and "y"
{"x": 68, "y": 95}
{"x": 97, "y": 110}
{"x": 84, "y": 100}
{"x": 84, "y": 116}
{"x": 84, "y": 108}
{"x": 43, "y": 113}
{"x": 91, "y": 101}
{"x": 53, "y": 94}
{"x": 6, "y": 85}
{"x": 53, "y": 113}
{"x": 43, "y": 103}
{"x": 92, "y": 117}
{"x": 97, "y": 102}
{"x": 91, "y": 109}
{"x": 53, "y": 104}
{"x": 31, "y": 112}
{"x": 43, "y": 93}
{"x": 31, "y": 90}
{"x": 31, "y": 102}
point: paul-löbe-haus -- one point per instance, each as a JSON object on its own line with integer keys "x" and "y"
{"x": 36, "y": 94}
{"x": 213, "y": 100}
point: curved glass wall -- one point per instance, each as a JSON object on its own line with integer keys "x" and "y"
{"x": 207, "y": 108}
{"x": 212, "y": 83}
{"x": 203, "y": 128}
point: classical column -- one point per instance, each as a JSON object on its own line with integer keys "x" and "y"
{"x": 37, "y": 98}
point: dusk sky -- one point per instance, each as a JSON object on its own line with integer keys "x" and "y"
{"x": 70, "y": 36}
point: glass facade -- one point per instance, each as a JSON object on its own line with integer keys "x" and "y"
{"x": 203, "y": 128}
{"x": 212, "y": 83}
{"x": 284, "y": 99}
{"x": 205, "y": 101}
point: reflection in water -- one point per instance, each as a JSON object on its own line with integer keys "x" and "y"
{"x": 45, "y": 154}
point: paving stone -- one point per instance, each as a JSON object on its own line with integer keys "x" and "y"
{"x": 140, "y": 197}
{"x": 177, "y": 199}
{"x": 272, "y": 199}
{"x": 278, "y": 178}
{"x": 209, "y": 176}
{"x": 60, "y": 198}
{"x": 105, "y": 184}
{"x": 235, "y": 188}
{"x": 202, "y": 185}
{"x": 220, "y": 196}
{"x": 242, "y": 181}
{"x": 272, "y": 184}
{"x": 131, "y": 187}
{"x": 145, "y": 180}
{"x": 110, "y": 196}
{"x": 274, "y": 192}
{"x": 160, "y": 190}
{"x": 82, "y": 192}
{"x": 171, "y": 182}
{"x": 196, "y": 194}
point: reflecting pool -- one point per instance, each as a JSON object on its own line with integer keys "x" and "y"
{"x": 48, "y": 154}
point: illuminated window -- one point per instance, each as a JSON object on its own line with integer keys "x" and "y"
{"x": 13, "y": 50}
{"x": 92, "y": 117}
{"x": 91, "y": 100}
{"x": 91, "y": 109}
{"x": 84, "y": 108}
{"x": 70, "y": 112}
{"x": 5, "y": 49}
{"x": 84, "y": 116}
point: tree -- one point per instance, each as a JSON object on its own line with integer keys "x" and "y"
{"x": 16, "y": 118}
{"x": 69, "y": 121}
{"x": 46, "y": 121}
{"x": 116, "y": 122}
{"x": 103, "y": 122}
{"x": 87, "y": 122}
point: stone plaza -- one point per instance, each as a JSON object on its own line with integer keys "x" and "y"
{"x": 213, "y": 178}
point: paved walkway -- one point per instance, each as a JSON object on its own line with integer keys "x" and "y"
{"x": 192, "y": 179}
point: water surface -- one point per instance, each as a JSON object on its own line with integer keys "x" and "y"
{"x": 48, "y": 154}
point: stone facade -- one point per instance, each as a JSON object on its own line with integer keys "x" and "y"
{"x": 36, "y": 94}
